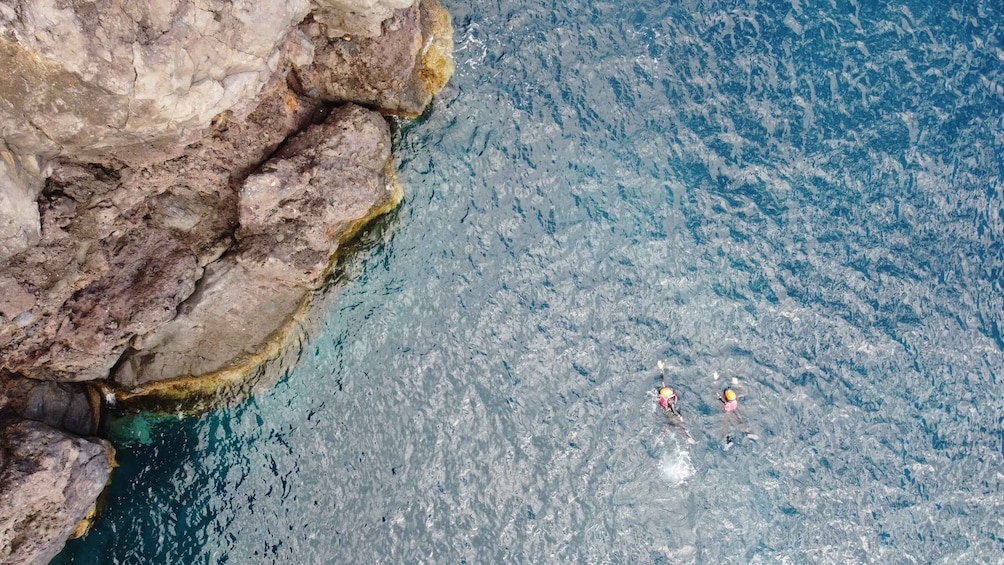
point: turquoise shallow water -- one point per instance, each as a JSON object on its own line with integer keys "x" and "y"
{"x": 806, "y": 197}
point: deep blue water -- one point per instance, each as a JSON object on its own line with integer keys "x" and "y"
{"x": 803, "y": 196}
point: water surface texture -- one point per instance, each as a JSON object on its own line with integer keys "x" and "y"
{"x": 803, "y": 196}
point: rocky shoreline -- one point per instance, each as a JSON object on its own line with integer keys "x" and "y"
{"x": 176, "y": 181}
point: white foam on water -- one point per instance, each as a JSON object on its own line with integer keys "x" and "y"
{"x": 676, "y": 466}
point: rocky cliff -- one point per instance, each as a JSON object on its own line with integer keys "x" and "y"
{"x": 49, "y": 481}
{"x": 176, "y": 178}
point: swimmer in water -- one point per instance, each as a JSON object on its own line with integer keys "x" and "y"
{"x": 668, "y": 400}
{"x": 729, "y": 400}
{"x": 730, "y": 404}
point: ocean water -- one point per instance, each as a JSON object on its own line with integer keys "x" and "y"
{"x": 805, "y": 197}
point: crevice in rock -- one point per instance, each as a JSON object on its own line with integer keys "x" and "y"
{"x": 320, "y": 114}
{"x": 124, "y": 358}
{"x": 294, "y": 83}
{"x": 186, "y": 305}
{"x": 42, "y": 133}
{"x": 132, "y": 88}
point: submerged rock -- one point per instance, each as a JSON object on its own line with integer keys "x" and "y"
{"x": 49, "y": 481}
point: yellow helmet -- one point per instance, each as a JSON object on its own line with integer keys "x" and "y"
{"x": 730, "y": 394}
{"x": 666, "y": 392}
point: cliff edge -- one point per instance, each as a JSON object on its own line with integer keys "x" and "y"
{"x": 176, "y": 179}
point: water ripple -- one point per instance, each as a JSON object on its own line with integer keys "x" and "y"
{"x": 806, "y": 197}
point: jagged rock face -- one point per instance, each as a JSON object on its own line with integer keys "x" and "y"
{"x": 141, "y": 239}
{"x": 120, "y": 238}
{"x": 130, "y": 80}
{"x": 21, "y": 180}
{"x": 293, "y": 214}
{"x": 356, "y": 17}
{"x": 136, "y": 81}
{"x": 133, "y": 279}
{"x": 123, "y": 248}
{"x": 398, "y": 71}
{"x": 111, "y": 81}
{"x": 70, "y": 407}
{"x": 49, "y": 481}
{"x": 296, "y": 207}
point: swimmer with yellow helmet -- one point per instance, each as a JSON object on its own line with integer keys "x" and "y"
{"x": 729, "y": 400}
{"x": 730, "y": 403}
{"x": 668, "y": 400}
{"x": 667, "y": 396}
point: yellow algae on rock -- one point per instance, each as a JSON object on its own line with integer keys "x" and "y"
{"x": 92, "y": 515}
{"x": 259, "y": 366}
{"x": 397, "y": 72}
{"x": 437, "y": 59}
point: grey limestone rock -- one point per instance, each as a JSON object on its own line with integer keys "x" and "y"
{"x": 356, "y": 17}
{"x": 133, "y": 80}
{"x": 49, "y": 481}
{"x": 396, "y": 71}
{"x": 127, "y": 85}
{"x": 70, "y": 407}
{"x": 137, "y": 81}
{"x": 293, "y": 214}
{"x": 21, "y": 180}
{"x": 123, "y": 248}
